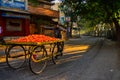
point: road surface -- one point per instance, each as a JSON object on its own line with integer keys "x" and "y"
{"x": 85, "y": 58}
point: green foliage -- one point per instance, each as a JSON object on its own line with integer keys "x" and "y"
{"x": 95, "y": 11}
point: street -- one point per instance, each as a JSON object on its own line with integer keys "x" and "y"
{"x": 85, "y": 58}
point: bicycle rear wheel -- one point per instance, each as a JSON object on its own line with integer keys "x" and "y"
{"x": 38, "y": 61}
{"x": 57, "y": 52}
{"x": 15, "y": 56}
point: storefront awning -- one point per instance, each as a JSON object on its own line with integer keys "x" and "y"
{"x": 43, "y": 11}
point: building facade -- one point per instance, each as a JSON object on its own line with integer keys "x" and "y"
{"x": 14, "y": 18}
{"x": 42, "y": 18}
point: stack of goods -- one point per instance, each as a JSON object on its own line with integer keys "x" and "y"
{"x": 36, "y": 38}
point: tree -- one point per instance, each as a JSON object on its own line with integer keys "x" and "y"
{"x": 68, "y": 7}
{"x": 106, "y": 11}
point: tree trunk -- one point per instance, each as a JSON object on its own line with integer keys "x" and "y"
{"x": 71, "y": 26}
{"x": 117, "y": 26}
{"x": 79, "y": 32}
{"x": 113, "y": 32}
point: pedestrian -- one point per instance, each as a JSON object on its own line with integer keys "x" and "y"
{"x": 57, "y": 31}
{"x": 57, "y": 34}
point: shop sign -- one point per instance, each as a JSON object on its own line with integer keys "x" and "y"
{"x": 13, "y": 25}
{"x": 62, "y": 19}
{"x": 19, "y": 4}
{"x": 14, "y": 15}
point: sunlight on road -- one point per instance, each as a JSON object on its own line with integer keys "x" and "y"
{"x": 76, "y": 49}
{"x": 2, "y": 59}
{"x": 72, "y": 53}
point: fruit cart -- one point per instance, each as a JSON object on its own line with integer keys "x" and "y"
{"x": 36, "y": 49}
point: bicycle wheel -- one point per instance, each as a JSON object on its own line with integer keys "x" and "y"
{"x": 6, "y": 50}
{"x": 61, "y": 47}
{"x": 38, "y": 61}
{"x": 15, "y": 56}
{"x": 57, "y": 52}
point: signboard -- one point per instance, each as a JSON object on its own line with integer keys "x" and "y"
{"x": 13, "y": 25}
{"x": 17, "y": 4}
{"x": 14, "y": 15}
{"x": 68, "y": 19}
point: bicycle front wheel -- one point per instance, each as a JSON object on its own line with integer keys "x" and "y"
{"x": 38, "y": 61}
{"x": 15, "y": 56}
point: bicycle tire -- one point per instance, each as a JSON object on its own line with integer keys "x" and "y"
{"x": 62, "y": 48}
{"x": 15, "y": 56}
{"x": 56, "y": 53}
{"x": 37, "y": 60}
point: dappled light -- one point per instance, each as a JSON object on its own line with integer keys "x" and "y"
{"x": 2, "y": 59}
{"x": 74, "y": 49}
{"x": 72, "y": 53}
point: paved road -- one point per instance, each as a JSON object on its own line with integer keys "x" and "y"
{"x": 86, "y": 58}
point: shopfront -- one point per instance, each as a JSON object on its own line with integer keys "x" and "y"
{"x": 14, "y": 24}
{"x": 14, "y": 19}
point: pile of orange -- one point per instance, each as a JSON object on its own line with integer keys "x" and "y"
{"x": 35, "y": 38}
